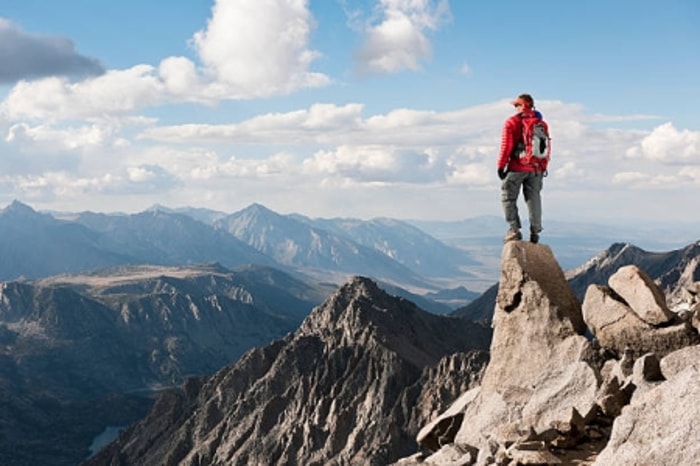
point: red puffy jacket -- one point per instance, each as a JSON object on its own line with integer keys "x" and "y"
{"x": 511, "y": 136}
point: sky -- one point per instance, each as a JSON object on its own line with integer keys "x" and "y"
{"x": 348, "y": 108}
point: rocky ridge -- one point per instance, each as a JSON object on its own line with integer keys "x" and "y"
{"x": 351, "y": 386}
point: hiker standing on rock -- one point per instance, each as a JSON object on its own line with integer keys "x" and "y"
{"x": 522, "y": 161}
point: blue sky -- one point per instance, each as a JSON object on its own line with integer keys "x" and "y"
{"x": 344, "y": 108}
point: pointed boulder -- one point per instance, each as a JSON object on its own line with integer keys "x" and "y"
{"x": 536, "y": 311}
{"x": 538, "y": 330}
{"x": 640, "y": 292}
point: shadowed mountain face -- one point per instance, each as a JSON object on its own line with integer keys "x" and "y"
{"x": 37, "y": 245}
{"x": 82, "y": 352}
{"x": 188, "y": 320}
{"x": 346, "y": 388}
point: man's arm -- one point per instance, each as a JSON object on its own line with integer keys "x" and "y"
{"x": 507, "y": 143}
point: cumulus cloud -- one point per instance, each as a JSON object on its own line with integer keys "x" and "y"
{"x": 325, "y": 147}
{"x": 644, "y": 181}
{"x": 258, "y": 48}
{"x": 28, "y": 56}
{"x": 631, "y": 178}
{"x": 247, "y": 50}
{"x": 145, "y": 179}
{"x": 378, "y": 164}
{"x": 669, "y": 145}
{"x": 50, "y": 139}
{"x": 133, "y": 180}
{"x": 474, "y": 174}
{"x": 113, "y": 93}
{"x": 399, "y": 41}
{"x": 318, "y": 123}
{"x": 691, "y": 174}
{"x": 325, "y": 123}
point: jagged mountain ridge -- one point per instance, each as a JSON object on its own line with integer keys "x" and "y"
{"x": 671, "y": 269}
{"x": 344, "y": 389}
{"x": 610, "y": 380}
{"x": 79, "y": 353}
{"x": 14, "y": 403}
{"x": 399, "y": 240}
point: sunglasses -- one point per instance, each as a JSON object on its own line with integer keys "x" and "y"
{"x": 517, "y": 105}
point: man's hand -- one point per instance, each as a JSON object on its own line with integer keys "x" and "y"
{"x": 502, "y": 173}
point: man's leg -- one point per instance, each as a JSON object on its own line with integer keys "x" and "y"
{"x": 532, "y": 186}
{"x": 510, "y": 188}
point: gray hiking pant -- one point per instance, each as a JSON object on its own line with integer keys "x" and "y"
{"x": 531, "y": 183}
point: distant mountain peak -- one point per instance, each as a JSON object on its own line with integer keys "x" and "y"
{"x": 18, "y": 207}
{"x": 159, "y": 208}
{"x": 259, "y": 209}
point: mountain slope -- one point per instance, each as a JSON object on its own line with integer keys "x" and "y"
{"x": 341, "y": 390}
{"x": 318, "y": 252}
{"x": 159, "y": 237}
{"x": 36, "y": 245}
{"x": 81, "y": 352}
{"x": 405, "y": 244}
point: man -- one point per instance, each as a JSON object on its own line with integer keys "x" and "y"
{"x": 516, "y": 172}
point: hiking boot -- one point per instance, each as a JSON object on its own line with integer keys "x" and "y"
{"x": 512, "y": 235}
{"x": 534, "y": 238}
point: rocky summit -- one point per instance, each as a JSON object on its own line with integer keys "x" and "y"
{"x": 626, "y": 393}
{"x": 353, "y": 385}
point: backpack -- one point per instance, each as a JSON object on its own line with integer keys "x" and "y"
{"x": 536, "y": 143}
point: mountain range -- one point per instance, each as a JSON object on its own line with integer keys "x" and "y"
{"x": 39, "y": 244}
{"x": 100, "y": 313}
{"x": 450, "y": 263}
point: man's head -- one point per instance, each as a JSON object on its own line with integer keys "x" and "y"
{"x": 523, "y": 100}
